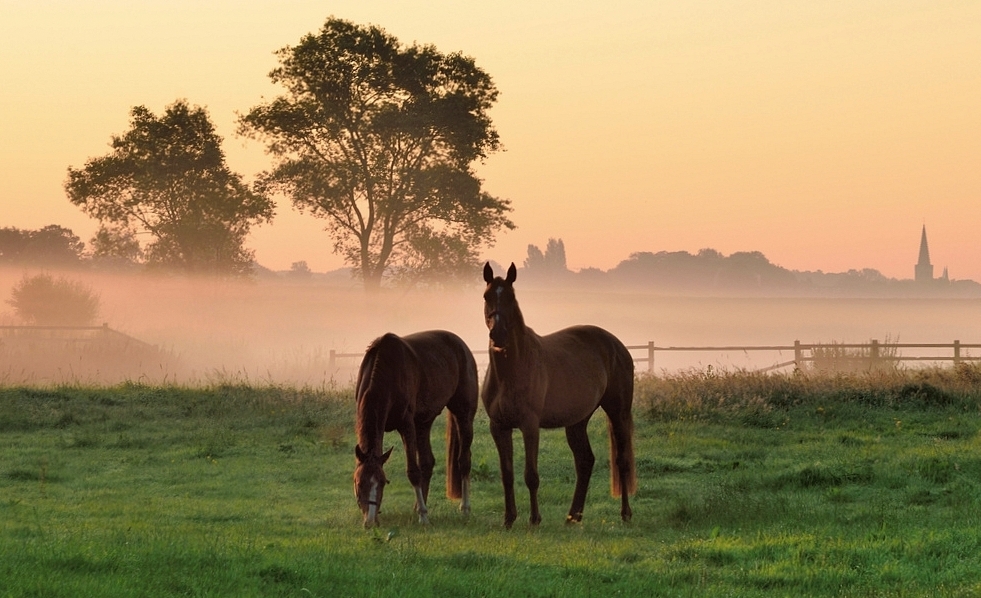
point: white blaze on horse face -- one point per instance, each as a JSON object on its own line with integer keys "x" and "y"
{"x": 372, "y": 516}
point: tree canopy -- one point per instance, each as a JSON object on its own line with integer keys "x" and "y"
{"x": 379, "y": 139}
{"x": 167, "y": 175}
{"x": 548, "y": 264}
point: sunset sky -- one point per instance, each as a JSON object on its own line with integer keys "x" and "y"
{"x": 823, "y": 134}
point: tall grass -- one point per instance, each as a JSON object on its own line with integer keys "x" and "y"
{"x": 718, "y": 394}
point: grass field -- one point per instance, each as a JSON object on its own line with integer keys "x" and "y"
{"x": 750, "y": 485}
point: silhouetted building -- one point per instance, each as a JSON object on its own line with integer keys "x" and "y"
{"x": 924, "y": 269}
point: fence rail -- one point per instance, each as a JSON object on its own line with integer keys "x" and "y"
{"x": 874, "y": 353}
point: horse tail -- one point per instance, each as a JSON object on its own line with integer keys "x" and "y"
{"x": 620, "y": 423}
{"x": 454, "y": 456}
{"x": 622, "y": 455}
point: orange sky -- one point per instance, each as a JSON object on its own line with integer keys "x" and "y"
{"x": 824, "y": 134}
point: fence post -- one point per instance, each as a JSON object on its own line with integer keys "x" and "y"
{"x": 332, "y": 359}
{"x": 874, "y": 354}
{"x": 957, "y": 352}
{"x": 650, "y": 357}
{"x": 797, "y": 355}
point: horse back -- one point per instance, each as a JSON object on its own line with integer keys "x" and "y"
{"x": 584, "y": 364}
{"x": 448, "y": 370}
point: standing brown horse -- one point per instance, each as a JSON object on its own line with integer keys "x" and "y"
{"x": 403, "y": 384}
{"x": 555, "y": 381}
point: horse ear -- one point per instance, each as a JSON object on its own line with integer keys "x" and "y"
{"x": 387, "y": 454}
{"x": 359, "y": 454}
{"x": 512, "y": 274}
{"x": 488, "y": 273}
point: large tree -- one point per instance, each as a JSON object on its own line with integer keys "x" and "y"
{"x": 167, "y": 175}
{"x": 379, "y": 140}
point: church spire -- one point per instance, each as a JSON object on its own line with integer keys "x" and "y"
{"x": 924, "y": 269}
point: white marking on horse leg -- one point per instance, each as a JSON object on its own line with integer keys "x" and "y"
{"x": 421, "y": 502}
{"x": 465, "y": 503}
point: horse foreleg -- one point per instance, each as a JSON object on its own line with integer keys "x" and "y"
{"x": 505, "y": 452}
{"x": 582, "y": 454}
{"x": 413, "y": 472}
{"x": 530, "y": 435}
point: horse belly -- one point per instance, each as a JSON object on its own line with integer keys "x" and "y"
{"x": 561, "y": 413}
{"x": 570, "y": 403}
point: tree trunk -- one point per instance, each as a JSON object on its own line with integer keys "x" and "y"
{"x": 372, "y": 282}
{"x": 372, "y": 277}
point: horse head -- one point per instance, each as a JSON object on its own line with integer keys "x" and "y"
{"x": 500, "y": 306}
{"x": 369, "y": 483}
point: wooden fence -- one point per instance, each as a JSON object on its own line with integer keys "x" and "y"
{"x": 874, "y": 354}
{"x": 72, "y": 336}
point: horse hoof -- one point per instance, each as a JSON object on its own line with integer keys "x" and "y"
{"x": 423, "y": 519}
{"x": 574, "y": 518}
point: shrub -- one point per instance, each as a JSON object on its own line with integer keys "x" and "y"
{"x": 43, "y": 300}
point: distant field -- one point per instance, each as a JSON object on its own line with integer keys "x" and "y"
{"x": 750, "y": 485}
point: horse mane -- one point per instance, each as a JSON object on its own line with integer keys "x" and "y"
{"x": 375, "y": 371}
{"x": 383, "y": 343}
{"x": 518, "y": 317}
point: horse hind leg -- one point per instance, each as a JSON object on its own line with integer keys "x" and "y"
{"x": 582, "y": 453}
{"x": 623, "y": 471}
{"x": 464, "y": 463}
{"x": 459, "y": 443}
{"x": 427, "y": 462}
{"x": 465, "y": 495}
{"x": 617, "y": 403}
{"x": 459, "y": 438}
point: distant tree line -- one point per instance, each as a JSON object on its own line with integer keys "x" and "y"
{"x": 50, "y": 246}
{"x": 59, "y": 248}
{"x": 710, "y": 272}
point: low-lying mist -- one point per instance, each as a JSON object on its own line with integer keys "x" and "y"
{"x": 281, "y": 331}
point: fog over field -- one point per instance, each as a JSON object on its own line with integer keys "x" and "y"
{"x": 281, "y": 330}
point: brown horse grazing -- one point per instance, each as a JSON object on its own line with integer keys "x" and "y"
{"x": 555, "y": 381}
{"x": 403, "y": 384}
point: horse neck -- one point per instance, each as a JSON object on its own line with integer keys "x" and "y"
{"x": 374, "y": 402}
{"x": 370, "y": 427}
{"x": 522, "y": 343}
